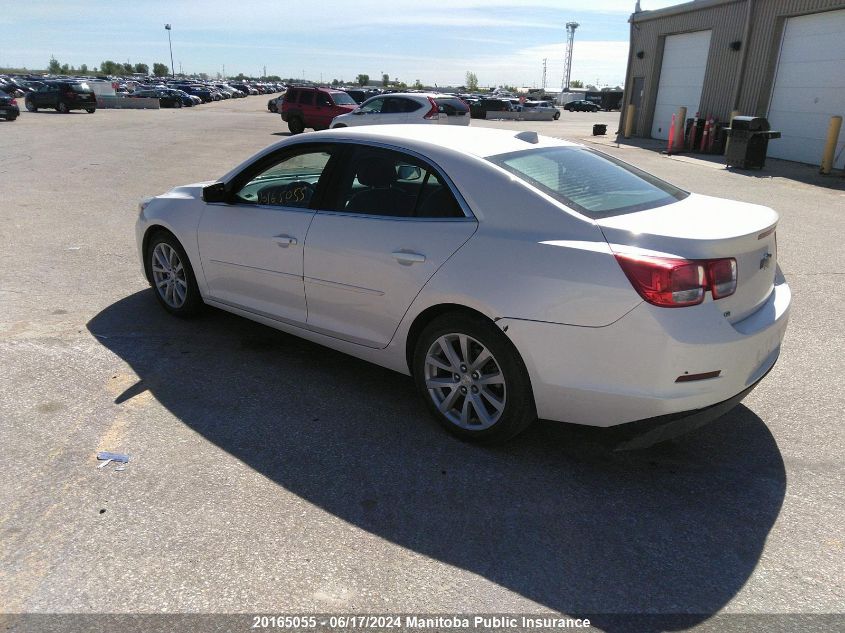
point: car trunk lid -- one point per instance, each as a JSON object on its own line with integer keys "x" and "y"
{"x": 702, "y": 227}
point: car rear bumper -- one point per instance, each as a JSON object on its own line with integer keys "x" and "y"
{"x": 628, "y": 371}
{"x": 9, "y": 110}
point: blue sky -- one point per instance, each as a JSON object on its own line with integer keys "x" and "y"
{"x": 502, "y": 42}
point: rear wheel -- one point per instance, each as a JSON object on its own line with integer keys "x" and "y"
{"x": 90, "y": 110}
{"x": 62, "y": 107}
{"x": 30, "y": 106}
{"x": 473, "y": 379}
{"x": 296, "y": 125}
{"x": 557, "y": 116}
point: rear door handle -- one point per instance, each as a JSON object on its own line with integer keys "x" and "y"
{"x": 407, "y": 257}
{"x": 284, "y": 240}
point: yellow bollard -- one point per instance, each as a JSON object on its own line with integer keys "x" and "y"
{"x": 629, "y": 120}
{"x": 680, "y": 127}
{"x": 830, "y": 144}
{"x": 734, "y": 113}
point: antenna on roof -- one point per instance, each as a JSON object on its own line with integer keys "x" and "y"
{"x": 528, "y": 137}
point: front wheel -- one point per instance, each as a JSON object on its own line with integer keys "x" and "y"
{"x": 90, "y": 110}
{"x": 172, "y": 276}
{"x": 557, "y": 116}
{"x": 62, "y": 107}
{"x": 30, "y": 106}
{"x": 473, "y": 379}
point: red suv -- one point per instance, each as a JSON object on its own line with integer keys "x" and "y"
{"x": 314, "y": 107}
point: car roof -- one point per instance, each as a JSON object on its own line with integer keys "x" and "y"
{"x": 477, "y": 141}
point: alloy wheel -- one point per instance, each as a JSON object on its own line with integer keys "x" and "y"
{"x": 465, "y": 381}
{"x": 169, "y": 276}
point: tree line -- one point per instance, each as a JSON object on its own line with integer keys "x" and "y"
{"x": 108, "y": 67}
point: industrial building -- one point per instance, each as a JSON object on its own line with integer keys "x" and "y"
{"x": 781, "y": 59}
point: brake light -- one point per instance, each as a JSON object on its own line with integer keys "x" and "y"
{"x": 434, "y": 112}
{"x": 721, "y": 274}
{"x": 14, "y": 102}
{"x": 676, "y": 283}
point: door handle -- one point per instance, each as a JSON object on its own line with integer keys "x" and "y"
{"x": 407, "y": 258}
{"x": 284, "y": 240}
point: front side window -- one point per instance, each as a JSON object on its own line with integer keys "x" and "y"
{"x": 382, "y": 182}
{"x": 591, "y": 183}
{"x": 288, "y": 182}
{"x": 323, "y": 99}
{"x": 374, "y": 106}
{"x": 341, "y": 98}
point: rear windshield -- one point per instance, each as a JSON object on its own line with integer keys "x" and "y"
{"x": 591, "y": 183}
{"x": 341, "y": 98}
{"x": 451, "y": 105}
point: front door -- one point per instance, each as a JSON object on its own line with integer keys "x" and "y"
{"x": 251, "y": 248}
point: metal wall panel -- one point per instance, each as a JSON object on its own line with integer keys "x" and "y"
{"x": 726, "y": 18}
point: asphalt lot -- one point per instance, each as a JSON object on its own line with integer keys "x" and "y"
{"x": 269, "y": 474}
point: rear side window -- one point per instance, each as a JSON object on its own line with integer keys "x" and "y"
{"x": 306, "y": 97}
{"x": 593, "y": 184}
{"x": 82, "y": 87}
{"x": 382, "y": 182}
{"x": 451, "y": 105}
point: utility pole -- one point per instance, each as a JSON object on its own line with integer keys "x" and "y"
{"x": 567, "y": 68}
{"x": 265, "y": 73}
{"x": 545, "y": 59}
{"x": 167, "y": 28}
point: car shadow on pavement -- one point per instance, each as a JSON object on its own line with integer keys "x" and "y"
{"x": 553, "y": 516}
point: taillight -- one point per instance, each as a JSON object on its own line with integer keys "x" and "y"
{"x": 434, "y": 112}
{"x": 13, "y": 102}
{"x": 676, "y": 283}
{"x": 721, "y": 274}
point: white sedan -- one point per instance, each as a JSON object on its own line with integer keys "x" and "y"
{"x": 407, "y": 107}
{"x": 513, "y": 276}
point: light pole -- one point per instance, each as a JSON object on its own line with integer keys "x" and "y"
{"x": 172, "y": 69}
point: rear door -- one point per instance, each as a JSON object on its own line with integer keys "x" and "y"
{"x": 389, "y": 222}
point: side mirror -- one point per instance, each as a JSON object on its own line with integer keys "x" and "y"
{"x": 215, "y": 193}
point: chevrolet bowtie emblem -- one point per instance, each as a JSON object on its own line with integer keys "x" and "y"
{"x": 766, "y": 261}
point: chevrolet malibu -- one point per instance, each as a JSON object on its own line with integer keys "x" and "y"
{"x": 514, "y": 276}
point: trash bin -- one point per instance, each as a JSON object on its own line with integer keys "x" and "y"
{"x": 599, "y": 129}
{"x": 748, "y": 139}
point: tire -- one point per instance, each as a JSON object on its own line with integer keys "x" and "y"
{"x": 489, "y": 411}
{"x": 172, "y": 276}
{"x": 557, "y": 116}
{"x": 178, "y": 104}
{"x": 62, "y": 107}
{"x": 90, "y": 110}
{"x": 296, "y": 125}
{"x": 30, "y": 107}
{"x": 338, "y": 126}
{"x": 11, "y": 118}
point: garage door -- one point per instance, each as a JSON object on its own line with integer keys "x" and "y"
{"x": 809, "y": 87}
{"x": 681, "y": 78}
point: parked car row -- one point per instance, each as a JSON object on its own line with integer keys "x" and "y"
{"x": 320, "y": 108}
{"x": 76, "y": 93}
